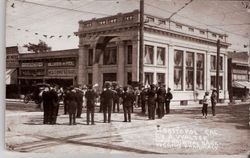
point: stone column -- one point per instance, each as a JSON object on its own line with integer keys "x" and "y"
{"x": 135, "y": 61}
{"x": 225, "y": 78}
{"x": 121, "y": 63}
{"x": 207, "y": 68}
{"x": 82, "y": 61}
{"x": 170, "y": 63}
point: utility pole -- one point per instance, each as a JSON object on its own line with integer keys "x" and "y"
{"x": 218, "y": 69}
{"x": 141, "y": 45}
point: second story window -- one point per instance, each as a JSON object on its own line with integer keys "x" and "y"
{"x": 129, "y": 54}
{"x": 149, "y": 55}
{"x": 110, "y": 56}
{"x": 214, "y": 35}
{"x": 90, "y": 57}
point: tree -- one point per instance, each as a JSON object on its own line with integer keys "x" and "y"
{"x": 38, "y": 48}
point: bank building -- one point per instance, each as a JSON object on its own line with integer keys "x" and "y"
{"x": 182, "y": 57}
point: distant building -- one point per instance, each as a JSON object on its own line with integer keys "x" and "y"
{"x": 238, "y": 73}
{"x": 12, "y": 65}
{"x": 55, "y": 67}
{"x": 181, "y": 56}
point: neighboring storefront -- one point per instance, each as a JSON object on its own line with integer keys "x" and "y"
{"x": 238, "y": 75}
{"x": 182, "y": 57}
{"x": 55, "y": 67}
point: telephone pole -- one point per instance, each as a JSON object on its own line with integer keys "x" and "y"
{"x": 218, "y": 69}
{"x": 141, "y": 44}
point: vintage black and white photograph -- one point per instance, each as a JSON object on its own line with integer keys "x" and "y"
{"x": 117, "y": 77}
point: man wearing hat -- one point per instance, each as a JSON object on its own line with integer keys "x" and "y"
{"x": 128, "y": 99}
{"x": 72, "y": 107}
{"x": 91, "y": 96}
{"x": 151, "y": 102}
{"x": 169, "y": 97}
{"x": 161, "y": 94}
{"x": 108, "y": 98}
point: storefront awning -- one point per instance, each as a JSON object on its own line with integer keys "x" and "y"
{"x": 241, "y": 84}
{"x": 8, "y": 75}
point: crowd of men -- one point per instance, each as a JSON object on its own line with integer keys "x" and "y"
{"x": 153, "y": 99}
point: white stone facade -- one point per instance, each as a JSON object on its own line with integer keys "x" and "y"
{"x": 111, "y": 39}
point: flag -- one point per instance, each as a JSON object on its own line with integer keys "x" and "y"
{"x": 45, "y": 36}
{"x": 52, "y": 36}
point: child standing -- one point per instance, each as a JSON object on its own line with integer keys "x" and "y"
{"x": 205, "y": 104}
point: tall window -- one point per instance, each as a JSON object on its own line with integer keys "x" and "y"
{"x": 149, "y": 55}
{"x": 129, "y": 78}
{"x": 200, "y": 71}
{"x": 148, "y": 78}
{"x": 110, "y": 56}
{"x": 160, "y": 56}
{"x": 129, "y": 54}
{"x": 213, "y": 82}
{"x": 189, "y": 71}
{"x": 161, "y": 77}
{"x": 214, "y": 63}
{"x": 90, "y": 57}
{"x": 90, "y": 78}
{"x": 178, "y": 69}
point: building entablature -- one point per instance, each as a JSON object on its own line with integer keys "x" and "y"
{"x": 130, "y": 21}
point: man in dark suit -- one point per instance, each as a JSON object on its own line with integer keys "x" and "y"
{"x": 108, "y": 98}
{"x": 91, "y": 96}
{"x": 72, "y": 107}
{"x": 161, "y": 94}
{"x": 169, "y": 96}
{"x": 79, "y": 97}
{"x": 151, "y": 102}
{"x": 128, "y": 100}
{"x": 47, "y": 106}
{"x": 55, "y": 103}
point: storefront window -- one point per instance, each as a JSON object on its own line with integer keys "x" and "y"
{"x": 178, "y": 69}
{"x": 160, "y": 56}
{"x": 110, "y": 56}
{"x": 161, "y": 77}
{"x": 149, "y": 55}
{"x": 200, "y": 72}
{"x": 213, "y": 82}
{"x": 189, "y": 71}
{"x": 148, "y": 78}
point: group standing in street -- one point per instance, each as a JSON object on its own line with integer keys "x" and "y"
{"x": 153, "y": 101}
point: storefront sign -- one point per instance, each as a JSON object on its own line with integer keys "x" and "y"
{"x": 61, "y": 72}
{"x": 34, "y": 64}
{"x": 35, "y": 72}
{"x": 61, "y": 63}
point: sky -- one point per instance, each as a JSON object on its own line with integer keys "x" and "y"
{"x": 55, "y": 21}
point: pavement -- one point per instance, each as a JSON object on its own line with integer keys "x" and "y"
{"x": 183, "y": 131}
